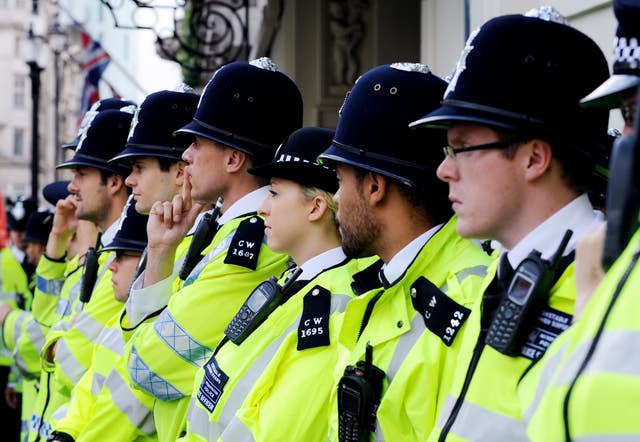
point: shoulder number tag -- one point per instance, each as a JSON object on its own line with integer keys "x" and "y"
{"x": 245, "y": 244}
{"x": 313, "y": 329}
{"x": 441, "y": 314}
{"x": 212, "y": 385}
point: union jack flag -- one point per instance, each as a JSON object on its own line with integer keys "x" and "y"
{"x": 95, "y": 61}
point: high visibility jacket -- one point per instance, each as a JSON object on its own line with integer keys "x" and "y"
{"x": 48, "y": 401}
{"x": 164, "y": 356}
{"x": 73, "y": 339}
{"x": 243, "y": 365}
{"x": 74, "y": 348}
{"x": 482, "y": 404}
{"x": 14, "y": 287}
{"x": 36, "y": 324}
{"x": 587, "y": 385}
{"x": 80, "y": 419}
{"x": 416, "y": 360}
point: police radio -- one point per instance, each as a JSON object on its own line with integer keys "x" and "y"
{"x": 623, "y": 195}
{"x": 359, "y": 393}
{"x": 90, "y": 272}
{"x": 202, "y": 237}
{"x": 526, "y": 296}
{"x": 263, "y": 300}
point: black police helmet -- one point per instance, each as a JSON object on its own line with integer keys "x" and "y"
{"x": 373, "y": 130}
{"x": 98, "y": 106}
{"x": 626, "y": 55}
{"x": 56, "y": 191}
{"x": 295, "y": 160}
{"x": 527, "y": 74}
{"x": 249, "y": 106}
{"x": 39, "y": 226}
{"x": 132, "y": 231}
{"x": 154, "y": 123}
{"x": 18, "y": 213}
{"x": 103, "y": 138}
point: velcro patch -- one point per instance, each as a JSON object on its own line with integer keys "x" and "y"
{"x": 212, "y": 385}
{"x": 246, "y": 242}
{"x": 441, "y": 314}
{"x": 546, "y": 328}
{"x": 313, "y": 329}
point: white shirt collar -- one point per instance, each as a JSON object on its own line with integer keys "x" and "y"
{"x": 578, "y": 216}
{"x": 395, "y": 268}
{"x": 247, "y": 204}
{"x": 110, "y": 233}
{"x": 312, "y": 267}
{"x": 17, "y": 253}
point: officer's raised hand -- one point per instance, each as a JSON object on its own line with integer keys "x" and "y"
{"x": 169, "y": 222}
{"x": 65, "y": 224}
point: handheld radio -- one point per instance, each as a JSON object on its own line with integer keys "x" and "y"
{"x": 526, "y": 296}
{"x": 263, "y": 300}
{"x": 359, "y": 393}
{"x": 90, "y": 272}
{"x": 202, "y": 237}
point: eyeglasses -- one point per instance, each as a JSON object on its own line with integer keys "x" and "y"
{"x": 628, "y": 110}
{"x": 451, "y": 152}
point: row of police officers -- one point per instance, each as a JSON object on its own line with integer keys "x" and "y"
{"x": 213, "y": 271}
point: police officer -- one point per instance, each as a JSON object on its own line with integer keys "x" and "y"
{"x": 97, "y": 387}
{"x": 391, "y": 204}
{"x": 154, "y": 154}
{"x": 57, "y": 289}
{"x": 245, "y": 111}
{"x": 15, "y": 325}
{"x": 99, "y": 196}
{"x": 586, "y": 384}
{"x": 294, "y": 342}
{"x": 157, "y": 174}
{"x": 15, "y": 275}
{"x": 520, "y": 159}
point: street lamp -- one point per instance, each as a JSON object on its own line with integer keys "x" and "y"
{"x": 35, "y": 59}
{"x": 57, "y": 39}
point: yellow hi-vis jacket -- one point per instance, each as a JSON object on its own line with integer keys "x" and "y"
{"x": 242, "y": 366}
{"x": 587, "y": 385}
{"x": 80, "y": 420}
{"x": 489, "y": 409}
{"x": 46, "y": 400}
{"x": 13, "y": 284}
{"x": 164, "y": 356}
{"x": 417, "y": 360}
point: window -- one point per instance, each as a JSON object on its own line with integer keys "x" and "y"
{"x": 18, "y": 91}
{"x": 18, "y": 142}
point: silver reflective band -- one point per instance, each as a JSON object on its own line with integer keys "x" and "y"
{"x": 149, "y": 381}
{"x": 213, "y": 253}
{"x": 111, "y": 338}
{"x": 480, "y": 271}
{"x": 96, "y": 383}
{"x": 236, "y": 431}
{"x": 70, "y": 366}
{"x": 475, "y": 423}
{"x": 179, "y": 341}
{"x": 551, "y": 365}
{"x": 138, "y": 414}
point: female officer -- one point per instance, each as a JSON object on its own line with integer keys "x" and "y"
{"x": 299, "y": 215}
